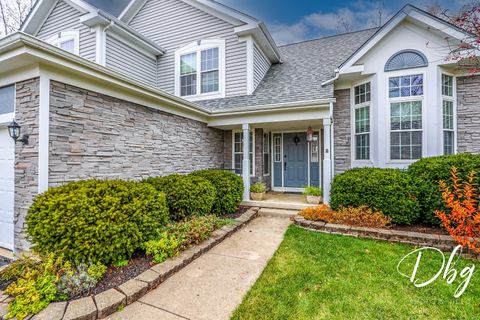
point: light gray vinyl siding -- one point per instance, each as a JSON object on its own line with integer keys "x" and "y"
{"x": 64, "y": 17}
{"x": 173, "y": 24}
{"x": 125, "y": 59}
{"x": 260, "y": 66}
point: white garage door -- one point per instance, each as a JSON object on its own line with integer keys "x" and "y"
{"x": 6, "y": 188}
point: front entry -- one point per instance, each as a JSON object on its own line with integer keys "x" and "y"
{"x": 295, "y": 160}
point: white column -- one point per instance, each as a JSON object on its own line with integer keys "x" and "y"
{"x": 327, "y": 159}
{"x": 246, "y": 161}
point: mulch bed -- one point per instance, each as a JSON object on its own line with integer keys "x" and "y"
{"x": 237, "y": 214}
{"x": 421, "y": 228}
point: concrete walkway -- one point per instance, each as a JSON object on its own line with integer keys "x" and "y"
{"x": 212, "y": 286}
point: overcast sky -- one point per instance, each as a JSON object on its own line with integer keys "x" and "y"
{"x": 296, "y": 20}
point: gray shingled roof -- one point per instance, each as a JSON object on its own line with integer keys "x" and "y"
{"x": 114, "y": 7}
{"x": 306, "y": 66}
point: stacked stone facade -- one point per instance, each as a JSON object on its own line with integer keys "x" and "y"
{"x": 26, "y": 156}
{"x": 94, "y": 135}
{"x": 342, "y": 131}
{"x": 468, "y": 114}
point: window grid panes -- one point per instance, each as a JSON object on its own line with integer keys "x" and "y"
{"x": 238, "y": 153}
{"x": 277, "y": 148}
{"x": 406, "y": 130}
{"x": 362, "y": 133}
{"x": 447, "y": 85}
{"x": 7, "y": 99}
{"x": 362, "y": 93}
{"x": 188, "y": 74}
{"x": 448, "y": 128}
{"x": 209, "y": 70}
{"x": 266, "y": 154}
{"x": 68, "y": 45}
{"x": 314, "y": 154}
{"x": 406, "y": 86}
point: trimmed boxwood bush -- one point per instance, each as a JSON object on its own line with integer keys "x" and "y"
{"x": 95, "y": 220}
{"x": 229, "y": 188}
{"x": 186, "y": 195}
{"x": 388, "y": 190}
{"x": 428, "y": 172}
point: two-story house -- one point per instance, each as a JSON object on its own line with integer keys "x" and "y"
{"x": 131, "y": 89}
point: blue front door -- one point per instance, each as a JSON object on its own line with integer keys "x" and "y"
{"x": 295, "y": 160}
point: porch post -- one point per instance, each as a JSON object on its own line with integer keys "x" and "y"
{"x": 327, "y": 159}
{"x": 246, "y": 161}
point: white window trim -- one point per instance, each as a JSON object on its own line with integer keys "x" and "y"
{"x": 364, "y": 162}
{"x": 422, "y": 98}
{"x": 197, "y": 47}
{"x": 268, "y": 152}
{"x": 6, "y": 118}
{"x": 65, "y": 36}
{"x": 453, "y": 99}
{"x": 253, "y": 151}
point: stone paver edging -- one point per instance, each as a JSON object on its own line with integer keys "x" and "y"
{"x": 442, "y": 242}
{"x": 108, "y": 302}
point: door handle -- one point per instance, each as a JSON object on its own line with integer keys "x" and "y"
{"x": 285, "y": 166}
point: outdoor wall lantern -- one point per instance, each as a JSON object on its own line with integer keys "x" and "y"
{"x": 14, "y": 130}
{"x": 309, "y": 134}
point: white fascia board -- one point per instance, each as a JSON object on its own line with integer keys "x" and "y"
{"x": 131, "y": 10}
{"x": 267, "y": 45}
{"x": 37, "y": 16}
{"x": 353, "y": 69}
{"x": 373, "y": 41}
{"x": 272, "y": 116}
{"x": 131, "y": 36}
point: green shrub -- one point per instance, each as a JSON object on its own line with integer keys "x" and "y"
{"x": 258, "y": 187}
{"x": 229, "y": 190}
{"x": 390, "y": 191}
{"x": 96, "y": 221}
{"x": 179, "y": 236}
{"x": 162, "y": 248}
{"x": 35, "y": 284}
{"x": 313, "y": 191}
{"x": 186, "y": 195}
{"x": 429, "y": 171}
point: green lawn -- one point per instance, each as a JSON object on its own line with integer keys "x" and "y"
{"x": 323, "y": 276}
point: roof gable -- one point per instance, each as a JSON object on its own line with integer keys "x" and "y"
{"x": 407, "y": 12}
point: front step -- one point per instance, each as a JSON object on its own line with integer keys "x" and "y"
{"x": 276, "y": 205}
{"x": 271, "y": 212}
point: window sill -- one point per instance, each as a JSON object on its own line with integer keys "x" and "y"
{"x": 206, "y": 96}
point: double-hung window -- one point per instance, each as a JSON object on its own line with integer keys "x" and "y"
{"x": 448, "y": 115}
{"x": 406, "y": 127}
{"x": 66, "y": 40}
{"x": 200, "y": 70}
{"x": 238, "y": 152}
{"x": 362, "y": 98}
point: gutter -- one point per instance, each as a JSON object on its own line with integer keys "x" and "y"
{"x": 298, "y": 105}
{"x": 335, "y": 78}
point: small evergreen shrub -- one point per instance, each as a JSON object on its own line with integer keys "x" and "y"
{"x": 186, "y": 195}
{"x": 428, "y": 172}
{"x": 94, "y": 220}
{"x": 229, "y": 190}
{"x": 390, "y": 191}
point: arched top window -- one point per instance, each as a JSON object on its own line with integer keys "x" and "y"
{"x": 406, "y": 59}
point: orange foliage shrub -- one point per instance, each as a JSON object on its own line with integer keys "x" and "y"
{"x": 463, "y": 219}
{"x": 362, "y": 216}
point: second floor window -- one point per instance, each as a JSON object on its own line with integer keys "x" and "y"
{"x": 200, "y": 70}
{"x": 66, "y": 40}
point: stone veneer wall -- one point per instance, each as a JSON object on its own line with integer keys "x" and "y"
{"x": 227, "y": 149}
{"x": 26, "y": 157}
{"x": 342, "y": 131}
{"x": 94, "y": 135}
{"x": 468, "y": 114}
